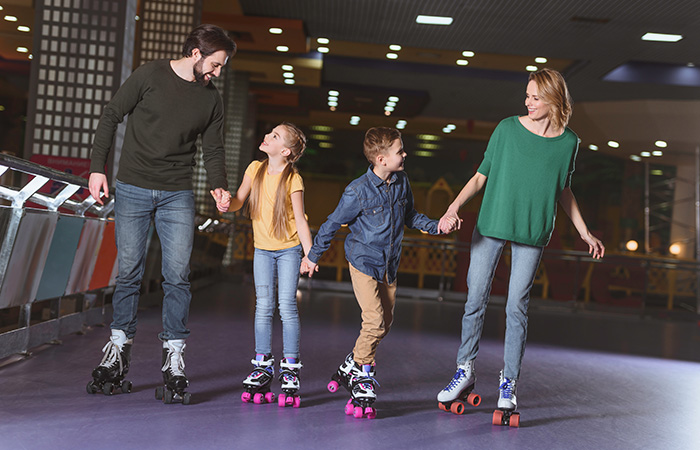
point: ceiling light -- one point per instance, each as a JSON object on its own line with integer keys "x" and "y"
{"x": 2, "y": 108}
{"x": 22, "y": 49}
{"x": 661, "y": 37}
{"x": 390, "y": 103}
{"x": 325, "y": 145}
{"x": 540, "y": 60}
{"x": 334, "y": 93}
{"x": 657, "y": 172}
{"x": 427, "y": 146}
{"x": 388, "y": 108}
{"x": 395, "y": 48}
{"x": 661, "y": 144}
{"x": 288, "y": 74}
{"x": 354, "y": 120}
{"x": 332, "y": 103}
{"x": 401, "y": 124}
{"x": 287, "y": 67}
{"x": 323, "y": 49}
{"x": 332, "y": 108}
{"x": 447, "y": 130}
{"x": 462, "y": 62}
{"x": 323, "y": 40}
{"x": 434, "y": 20}
{"x": 423, "y": 153}
{"x": 289, "y": 81}
{"x": 531, "y": 68}
{"x": 332, "y": 98}
{"x": 613, "y": 144}
{"x": 657, "y": 153}
{"x": 392, "y": 56}
{"x": 393, "y": 99}
{"x": 282, "y": 48}
{"x": 645, "y": 154}
{"x": 275, "y": 30}
{"x": 467, "y": 54}
{"x": 428, "y": 137}
{"x": 593, "y": 147}
{"x": 11, "y": 18}
{"x": 23, "y": 28}
{"x": 635, "y": 158}
{"x": 321, "y": 128}
{"x": 320, "y": 137}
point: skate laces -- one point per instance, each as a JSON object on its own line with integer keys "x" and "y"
{"x": 112, "y": 356}
{"x": 507, "y": 387}
{"x": 456, "y": 379}
{"x": 175, "y": 362}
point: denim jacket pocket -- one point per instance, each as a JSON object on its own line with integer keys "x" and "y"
{"x": 374, "y": 216}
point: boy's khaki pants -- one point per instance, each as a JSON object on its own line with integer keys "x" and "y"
{"x": 377, "y": 303}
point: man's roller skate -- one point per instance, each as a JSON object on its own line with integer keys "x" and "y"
{"x": 459, "y": 390}
{"x": 289, "y": 377}
{"x": 507, "y": 403}
{"x": 257, "y": 384}
{"x": 344, "y": 374}
{"x": 363, "y": 393}
{"x": 108, "y": 377}
{"x": 174, "y": 379}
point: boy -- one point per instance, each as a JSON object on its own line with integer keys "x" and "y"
{"x": 376, "y": 206}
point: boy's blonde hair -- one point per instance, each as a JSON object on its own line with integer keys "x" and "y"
{"x": 552, "y": 89}
{"x": 296, "y": 143}
{"x": 378, "y": 140}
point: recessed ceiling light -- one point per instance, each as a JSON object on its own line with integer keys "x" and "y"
{"x": 661, "y": 144}
{"x": 11, "y": 18}
{"x": 289, "y": 81}
{"x": 451, "y": 126}
{"x": 613, "y": 144}
{"x": 332, "y": 98}
{"x": 540, "y": 60}
{"x": 635, "y": 158}
{"x": 395, "y": 48}
{"x": 22, "y": 49}
{"x": 282, "y": 48}
{"x": 275, "y": 30}
{"x": 323, "y": 40}
{"x": 325, "y": 145}
{"x": 320, "y": 137}
{"x": 335, "y": 93}
{"x": 23, "y": 28}
{"x": 424, "y": 154}
{"x": 288, "y": 74}
{"x": 287, "y": 67}
{"x": 324, "y": 128}
{"x": 657, "y": 153}
{"x": 390, "y": 103}
{"x": 434, "y": 20}
{"x": 428, "y": 146}
{"x": 593, "y": 147}
{"x": 531, "y": 68}
{"x": 323, "y": 49}
{"x": 661, "y": 37}
{"x": 388, "y": 108}
{"x": 462, "y": 62}
{"x": 467, "y": 54}
{"x": 393, "y": 99}
{"x": 428, "y": 137}
{"x": 645, "y": 154}
{"x": 447, "y": 130}
{"x": 332, "y": 103}
{"x": 391, "y": 56}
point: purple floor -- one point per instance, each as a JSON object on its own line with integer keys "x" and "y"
{"x": 569, "y": 397}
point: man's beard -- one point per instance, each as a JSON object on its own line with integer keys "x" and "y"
{"x": 198, "y": 73}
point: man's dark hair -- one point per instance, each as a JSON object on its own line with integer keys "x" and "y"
{"x": 209, "y": 39}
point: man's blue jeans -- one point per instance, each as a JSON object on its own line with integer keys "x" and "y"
{"x": 485, "y": 253}
{"x": 278, "y": 268}
{"x": 173, "y": 213}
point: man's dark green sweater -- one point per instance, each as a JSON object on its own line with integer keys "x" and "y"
{"x": 166, "y": 115}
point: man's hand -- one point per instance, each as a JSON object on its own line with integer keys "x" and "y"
{"x": 222, "y": 198}
{"x": 96, "y": 182}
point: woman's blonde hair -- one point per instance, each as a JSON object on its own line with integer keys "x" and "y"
{"x": 552, "y": 89}
{"x": 296, "y": 142}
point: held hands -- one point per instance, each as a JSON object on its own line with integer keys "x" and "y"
{"x": 222, "y": 198}
{"x": 595, "y": 248}
{"x": 308, "y": 267}
{"x": 449, "y": 222}
{"x": 97, "y": 182}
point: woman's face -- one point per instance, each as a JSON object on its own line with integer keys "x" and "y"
{"x": 537, "y": 109}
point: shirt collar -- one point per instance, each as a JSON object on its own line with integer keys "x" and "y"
{"x": 376, "y": 180}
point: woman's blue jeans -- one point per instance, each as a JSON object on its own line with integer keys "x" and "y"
{"x": 173, "y": 213}
{"x": 277, "y": 268}
{"x": 485, "y": 253}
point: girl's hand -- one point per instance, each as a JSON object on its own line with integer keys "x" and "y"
{"x": 222, "y": 198}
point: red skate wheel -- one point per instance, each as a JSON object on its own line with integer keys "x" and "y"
{"x": 515, "y": 420}
{"x": 246, "y": 397}
{"x": 281, "y": 400}
{"x": 297, "y": 402}
{"x": 357, "y": 413}
{"x": 474, "y": 399}
{"x": 497, "y": 417}
{"x": 442, "y": 406}
{"x": 333, "y": 386}
{"x": 258, "y": 398}
{"x": 270, "y": 397}
{"x": 457, "y": 408}
{"x": 349, "y": 408}
{"x": 370, "y": 412}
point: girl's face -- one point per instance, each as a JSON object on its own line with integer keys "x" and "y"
{"x": 537, "y": 109}
{"x": 275, "y": 141}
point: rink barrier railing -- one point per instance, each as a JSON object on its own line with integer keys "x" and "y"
{"x": 438, "y": 266}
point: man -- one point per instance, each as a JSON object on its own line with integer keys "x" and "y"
{"x": 170, "y": 103}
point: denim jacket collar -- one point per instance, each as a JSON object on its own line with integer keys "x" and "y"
{"x": 376, "y": 180}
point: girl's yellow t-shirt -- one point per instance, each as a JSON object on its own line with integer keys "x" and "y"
{"x": 262, "y": 225}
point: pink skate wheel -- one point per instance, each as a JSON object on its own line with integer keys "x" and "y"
{"x": 370, "y": 412}
{"x": 270, "y": 397}
{"x": 457, "y": 408}
{"x": 290, "y": 400}
{"x": 280, "y": 401}
{"x": 349, "y": 408}
{"x": 332, "y": 386}
{"x": 297, "y": 402}
{"x": 358, "y": 412}
{"x": 515, "y": 420}
{"x": 245, "y": 397}
{"x": 497, "y": 417}
{"x": 474, "y": 399}
{"x": 258, "y": 398}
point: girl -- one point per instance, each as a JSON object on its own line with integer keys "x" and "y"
{"x": 528, "y": 164}
{"x": 280, "y": 230}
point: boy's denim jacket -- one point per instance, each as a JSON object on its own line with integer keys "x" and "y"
{"x": 376, "y": 213}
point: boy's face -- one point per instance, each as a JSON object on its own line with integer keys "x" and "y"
{"x": 393, "y": 158}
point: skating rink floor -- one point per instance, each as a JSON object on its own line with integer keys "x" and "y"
{"x": 588, "y": 382}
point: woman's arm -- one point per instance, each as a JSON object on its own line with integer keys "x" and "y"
{"x": 473, "y": 187}
{"x": 570, "y": 205}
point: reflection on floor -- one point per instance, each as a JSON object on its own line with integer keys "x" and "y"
{"x": 580, "y": 388}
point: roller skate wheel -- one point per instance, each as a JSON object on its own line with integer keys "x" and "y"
{"x": 370, "y": 412}
{"x": 514, "y": 420}
{"x": 159, "y": 393}
{"x": 349, "y": 408}
{"x": 290, "y": 400}
{"x": 246, "y": 397}
{"x": 297, "y": 402}
{"x": 333, "y": 386}
{"x": 442, "y": 407}
{"x": 270, "y": 397}
{"x": 497, "y": 417}
{"x": 91, "y": 388}
{"x": 258, "y": 398}
{"x": 108, "y": 388}
{"x": 457, "y": 408}
{"x": 168, "y": 397}
{"x": 186, "y": 397}
{"x": 474, "y": 399}
{"x": 357, "y": 413}
{"x": 126, "y": 387}
{"x": 281, "y": 400}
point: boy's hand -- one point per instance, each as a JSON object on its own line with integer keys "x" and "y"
{"x": 449, "y": 223}
{"x": 308, "y": 267}
{"x": 222, "y": 198}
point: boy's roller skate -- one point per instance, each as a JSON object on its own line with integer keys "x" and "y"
{"x": 174, "y": 379}
{"x": 257, "y": 384}
{"x": 109, "y": 375}
{"x": 344, "y": 374}
{"x": 507, "y": 403}
{"x": 289, "y": 377}
{"x": 363, "y": 393}
{"x": 459, "y": 390}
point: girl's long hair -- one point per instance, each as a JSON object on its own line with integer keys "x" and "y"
{"x": 296, "y": 143}
{"x": 552, "y": 88}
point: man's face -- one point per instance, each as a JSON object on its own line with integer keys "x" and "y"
{"x": 209, "y": 66}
